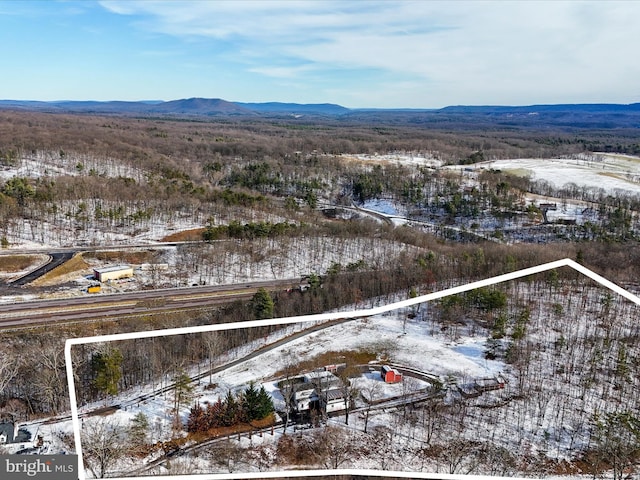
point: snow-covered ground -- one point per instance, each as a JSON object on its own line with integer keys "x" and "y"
{"x": 430, "y": 159}
{"x": 417, "y": 344}
{"x": 597, "y": 172}
{"x": 612, "y": 173}
{"x": 608, "y": 171}
{"x": 51, "y": 164}
{"x": 526, "y": 424}
{"x": 385, "y": 334}
{"x": 461, "y": 359}
{"x": 575, "y": 184}
{"x": 457, "y": 357}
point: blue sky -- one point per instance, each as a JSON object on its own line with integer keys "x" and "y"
{"x": 385, "y": 54}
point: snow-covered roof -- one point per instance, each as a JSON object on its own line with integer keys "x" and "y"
{"x": 334, "y": 394}
{"x": 323, "y": 377}
{"x": 114, "y": 268}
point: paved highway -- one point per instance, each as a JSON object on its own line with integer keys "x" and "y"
{"x": 85, "y": 308}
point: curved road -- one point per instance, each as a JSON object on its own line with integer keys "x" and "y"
{"x": 64, "y": 254}
{"x": 55, "y": 260}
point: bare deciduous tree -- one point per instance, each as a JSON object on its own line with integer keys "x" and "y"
{"x": 335, "y": 447}
{"x": 103, "y": 444}
{"x": 8, "y": 369}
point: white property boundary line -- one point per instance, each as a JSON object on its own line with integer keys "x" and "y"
{"x": 311, "y": 318}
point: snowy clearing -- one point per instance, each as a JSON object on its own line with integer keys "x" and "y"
{"x": 613, "y": 173}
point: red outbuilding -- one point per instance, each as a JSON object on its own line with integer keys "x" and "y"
{"x": 390, "y": 375}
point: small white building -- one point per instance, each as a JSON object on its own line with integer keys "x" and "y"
{"x": 310, "y": 393}
{"x": 305, "y": 395}
{"x": 115, "y": 272}
{"x": 334, "y": 400}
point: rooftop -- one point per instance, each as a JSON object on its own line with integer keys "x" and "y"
{"x": 113, "y": 268}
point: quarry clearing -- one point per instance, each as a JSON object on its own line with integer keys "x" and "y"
{"x": 608, "y": 171}
{"x": 612, "y": 173}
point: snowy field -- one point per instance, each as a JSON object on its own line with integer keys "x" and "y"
{"x": 52, "y": 164}
{"x": 582, "y": 178}
{"x": 462, "y": 358}
{"x": 430, "y": 159}
{"x": 613, "y": 173}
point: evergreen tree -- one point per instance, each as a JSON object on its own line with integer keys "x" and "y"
{"x": 499, "y": 329}
{"x": 231, "y": 410}
{"x": 215, "y": 414}
{"x": 314, "y": 281}
{"x": 197, "y": 421}
{"x": 263, "y": 306}
{"x": 265, "y": 404}
{"x": 311, "y": 198}
{"x": 250, "y": 403}
{"x": 107, "y": 369}
{"x": 139, "y": 429}
{"x": 20, "y": 189}
{"x": 182, "y": 393}
{"x": 623, "y": 369}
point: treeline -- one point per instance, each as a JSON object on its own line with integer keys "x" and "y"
{"x": 245, "y": 407}
{"x": 236, "y": 229}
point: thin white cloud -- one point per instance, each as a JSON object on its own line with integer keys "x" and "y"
{"x": 274, "y": 22}
{"x": 459, "y": 49}
{"x": 282, "y": 72}
{"x": 222, "y": 19}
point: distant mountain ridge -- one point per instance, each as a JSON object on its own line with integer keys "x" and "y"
{"x": 579, "y": 107}
{"x": 188, "y": 106}
{"x": 323, "y": 108}
{"x": 596, "y": 115}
